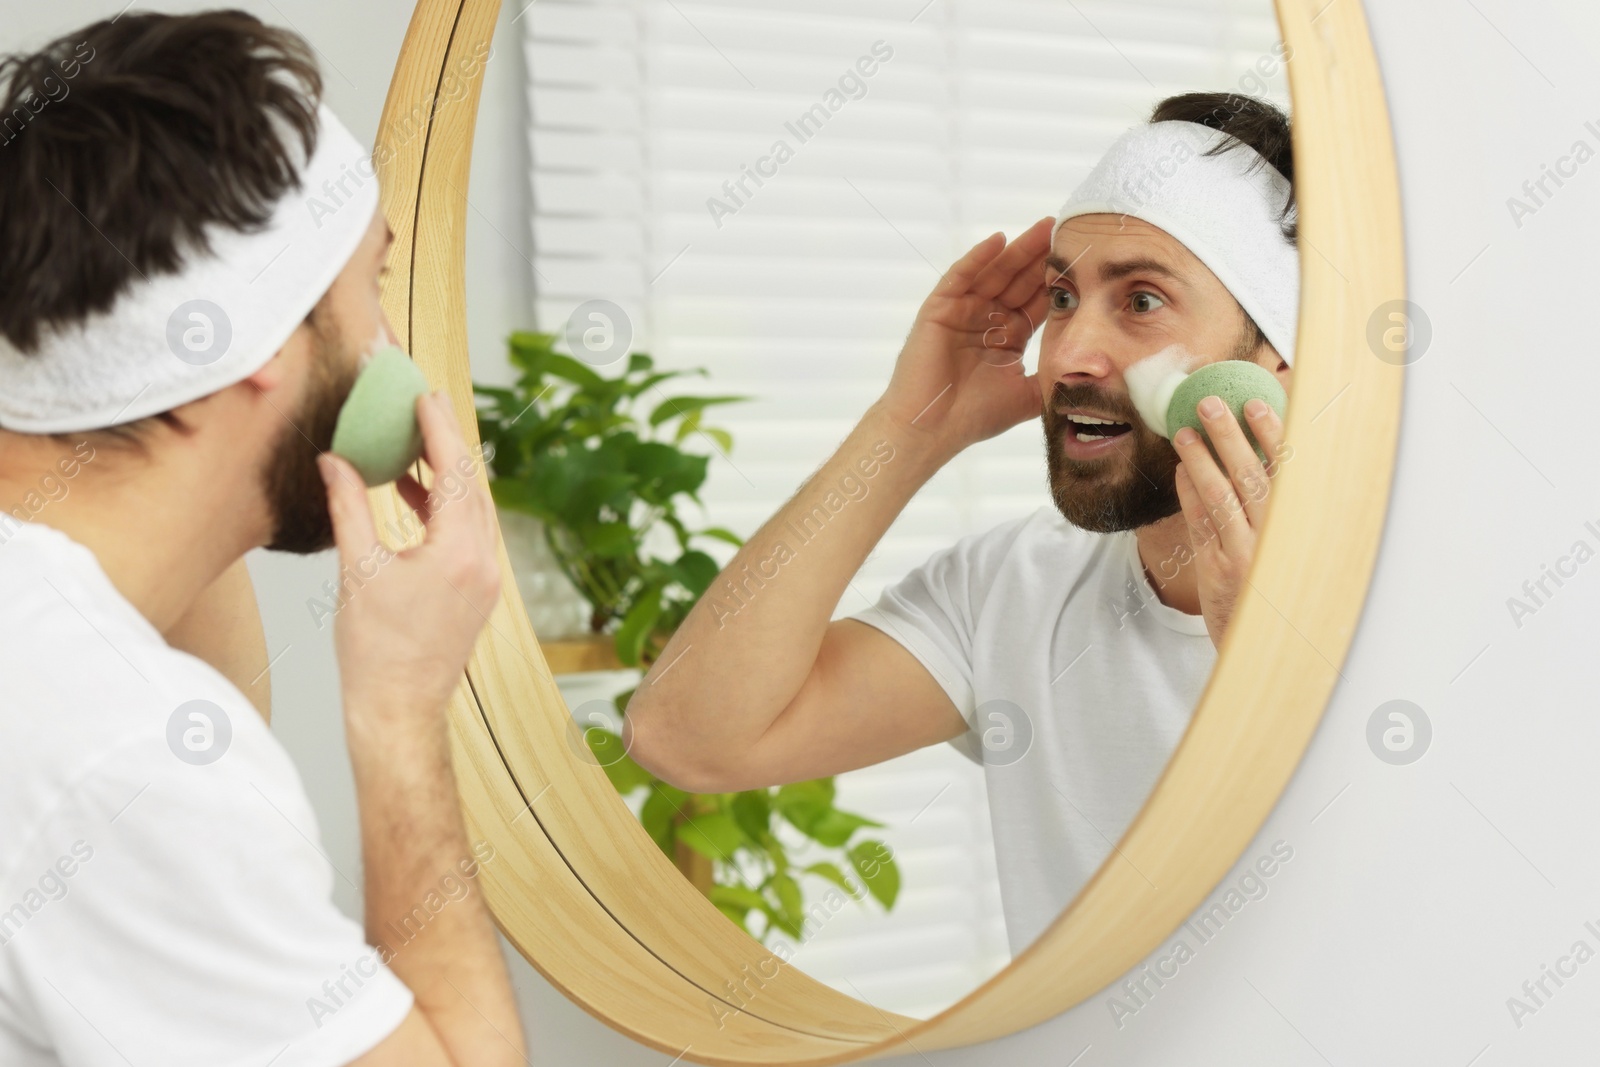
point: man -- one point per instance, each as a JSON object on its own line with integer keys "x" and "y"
{"x": 1064, "y": 651}
{"x": 190, "y": 256}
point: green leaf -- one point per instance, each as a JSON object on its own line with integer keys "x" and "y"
{"x": 805, "y": 803}
{"x": 636, "y": 627}
{"x": 695, "y": 571}
{"x": 834, "y": 827}
{"x": 776, "y": 853}
{"x": 715, "y": 836}
{"x": 722, "y": 534}
{"x": 738, "y": 897}
{"x": 791, "y": 902}
{"x": 778, "y": 919}
{"x": 505, "y": 396}
{"x": 688, "y": 426}
{"x": 528, "y": 347}
{"x": 620, "y": 701}
{"x": 677, "y": 796}
{"x": 656, "y": 816}
{"x": 571, "y": 370}
{"x": 832, "y": 873}
{"x": 663, "y": 472}
{"x": 752, "y": 811}
{"x": 875, "y": 864}
{"x": 633, "y": 389}
{"x": 722, "y": 437}
{"x": 680, "y": 532}
{"x": 681, "y": 406}
{"x": 609, "y": 540}
{"x": 514, "y": 495}
{"x": 818, "y": 792}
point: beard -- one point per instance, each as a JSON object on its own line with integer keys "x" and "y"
{"x": 294, "y": 487}
{"x": 1134, "y": 486}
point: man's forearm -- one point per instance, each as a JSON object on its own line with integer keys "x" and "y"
{"x": 424, "y": 909}
{"x": 755, "y": 633}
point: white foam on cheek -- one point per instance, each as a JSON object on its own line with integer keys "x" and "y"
{"x": 379, "y": 342}
{"x": 1153, "y": 380}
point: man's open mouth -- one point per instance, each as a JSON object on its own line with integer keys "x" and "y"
{"x": 1088, "y": 428}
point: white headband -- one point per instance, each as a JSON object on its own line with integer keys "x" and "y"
{"x": 172, "y": 338}
{"x": 1225, "y": 208}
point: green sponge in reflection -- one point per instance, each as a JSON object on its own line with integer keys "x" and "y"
{"x": 1167, "y": 396}
{"x": 1236, "y": 382}
{"x": 377, "y": 429}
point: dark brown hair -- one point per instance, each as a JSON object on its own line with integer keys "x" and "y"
{"x": 1249, "y": 121}
{"x": 168, "y": 124}
{"x": 122, "y": 142}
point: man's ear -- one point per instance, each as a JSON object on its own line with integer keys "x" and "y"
{"x": 275, "y": 371}
{"x": 1267, "y": 357}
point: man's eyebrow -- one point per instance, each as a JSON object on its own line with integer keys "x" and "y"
{"x": 1111, "y": 270}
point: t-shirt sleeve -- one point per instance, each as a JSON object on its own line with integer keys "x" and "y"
{"x": 932, "y": 612}
{"x": 187, "y": 919}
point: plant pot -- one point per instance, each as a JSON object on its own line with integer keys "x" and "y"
{"x": 555, "y": 607}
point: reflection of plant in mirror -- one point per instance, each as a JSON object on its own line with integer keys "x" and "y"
{"x": 756, "y": 873}
{"x": 571, "y": 449}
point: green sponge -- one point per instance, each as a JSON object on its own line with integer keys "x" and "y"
{"x": 1236, "y": 382}
{"x": 1167, "y": 396}
{"x": 377, "y": 429}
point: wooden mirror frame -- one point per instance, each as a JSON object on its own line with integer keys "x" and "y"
{"x": 590, "y": 900}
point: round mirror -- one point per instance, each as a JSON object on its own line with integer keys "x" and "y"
{"x": 914, "y": 755}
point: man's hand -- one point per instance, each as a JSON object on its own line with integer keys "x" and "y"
{"x": 405, "y": 635}
{"x": 1225, "y": 511}
{"x": 403, "y": 640}
{"x": 959, "y": 378}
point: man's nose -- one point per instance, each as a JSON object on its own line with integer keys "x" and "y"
{"x": 1080, "y": 349}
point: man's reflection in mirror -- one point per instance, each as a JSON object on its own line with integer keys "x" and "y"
{"x": 1064, "y": 651}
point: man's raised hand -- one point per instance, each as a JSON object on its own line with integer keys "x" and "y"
{"x": 959, "y": 378}
{"x": 1225, "y": 508}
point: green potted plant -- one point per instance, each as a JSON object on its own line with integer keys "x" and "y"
{"x": 601, "y": 462}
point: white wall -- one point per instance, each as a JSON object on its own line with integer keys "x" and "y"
{"x": 1420, "y": 897}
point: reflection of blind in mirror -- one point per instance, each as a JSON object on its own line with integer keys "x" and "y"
{"x": 798, "y": 290}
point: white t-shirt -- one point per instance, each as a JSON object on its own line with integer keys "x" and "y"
{"x": 156, "y": 908}
{"x": 1076, "y": 683}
